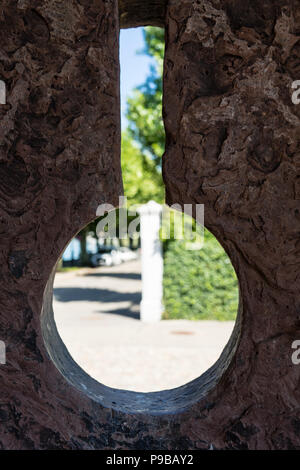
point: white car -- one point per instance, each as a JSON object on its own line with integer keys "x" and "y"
{"x": 127, "y": 254}
{"x": 111, "y": 256}
{"x": 110, "y": 259}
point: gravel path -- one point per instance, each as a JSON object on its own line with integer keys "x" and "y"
{"x": 97, "y": 315}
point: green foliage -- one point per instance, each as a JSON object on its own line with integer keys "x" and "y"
{"x": 199, "y": 284}
{"x": 144, "y": 112}
{"x": 155, "y": 46}
{"x": 142, "y": 180}
{"x": 143, "y": 141}
{"x": 69, "y": 269}
{"x": 176, "y": 225}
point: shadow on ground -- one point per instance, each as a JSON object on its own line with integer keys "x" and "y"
{"x": 79, "y": 294}
{"x": 124, "y": 312}
{"x": 133, "y": 276}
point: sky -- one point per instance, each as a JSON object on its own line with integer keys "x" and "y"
{"x": 134, "y": 67}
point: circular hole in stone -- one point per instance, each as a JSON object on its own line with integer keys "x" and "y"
{"x": 97, "y": 336}
{"x": 102, "y": 348}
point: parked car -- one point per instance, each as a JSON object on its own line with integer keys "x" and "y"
{"x": 127, "y": 254}
{"x": 112, "y": 256}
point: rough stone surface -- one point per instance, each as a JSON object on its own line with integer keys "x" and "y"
{"x": 59, "y": 159}
{"x": 232, "y": 144}
{"x": 135, "y": 13}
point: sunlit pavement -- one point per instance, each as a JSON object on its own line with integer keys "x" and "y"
{"x": 97, "y": 315}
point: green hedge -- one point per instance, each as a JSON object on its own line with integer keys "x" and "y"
{"x": 199, "y": 284}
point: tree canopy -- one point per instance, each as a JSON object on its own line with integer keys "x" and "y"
{"x": 144, "y": 112}
{"x": 142, "y": 179}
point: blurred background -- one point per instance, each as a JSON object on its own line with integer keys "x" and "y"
{"x": 97, "y": 289}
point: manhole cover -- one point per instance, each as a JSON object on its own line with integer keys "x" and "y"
{"x": 182, "y": 332}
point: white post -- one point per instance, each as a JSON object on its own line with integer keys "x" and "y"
{"x": 152, "y": 262}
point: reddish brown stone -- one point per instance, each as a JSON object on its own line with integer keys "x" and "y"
{"x": 233, "y": 144}
{"x": 135, "y": 13}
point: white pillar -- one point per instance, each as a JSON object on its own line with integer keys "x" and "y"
{"x": 152, "y": 262}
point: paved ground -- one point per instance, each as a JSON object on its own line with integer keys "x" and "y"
{"x": 97, "y": 315}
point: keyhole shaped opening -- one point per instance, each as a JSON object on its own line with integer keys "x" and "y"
{"x": 178, "y": 266}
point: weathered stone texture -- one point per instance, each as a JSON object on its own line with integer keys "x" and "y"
{"x": 232, "y": 144}
{"x": 59, "y": 159}
{"x": 135, "y": 13}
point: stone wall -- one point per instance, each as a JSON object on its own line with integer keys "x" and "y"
{"x": 233, "y": 144}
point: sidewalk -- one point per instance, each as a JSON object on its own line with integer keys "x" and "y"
{"x": 97, "y": 315}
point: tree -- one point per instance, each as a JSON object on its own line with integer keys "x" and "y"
{"x": 144, "y": 112}
{"x": 142, "y": 182}
{"x": 143, "y": 142}
{"x": 84, "y": 257}
{"x": 142, "y": 179}
{"x": 198, "y": 284}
